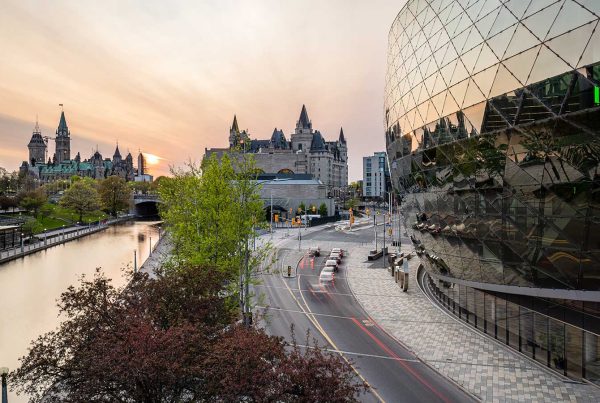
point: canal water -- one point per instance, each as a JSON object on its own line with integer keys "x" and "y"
{"x": 30, "y": 286}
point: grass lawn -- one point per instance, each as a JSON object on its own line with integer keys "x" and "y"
{"x": 56, "y": 216}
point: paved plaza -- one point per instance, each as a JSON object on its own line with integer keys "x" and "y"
{"x": 481, "y": 365}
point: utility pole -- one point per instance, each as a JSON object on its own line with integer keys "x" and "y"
{"x": 271, "y": 214}
{"x": 375, "y": 228}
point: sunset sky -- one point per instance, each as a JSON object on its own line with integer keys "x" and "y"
{"x": 167, "y": 77}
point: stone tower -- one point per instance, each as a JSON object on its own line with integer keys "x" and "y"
{"x": 237, "y": 137}
{"x": 343, "y": 147}
{"x": 63, "y": 141}
{"x": 303, "y": 135}
{"x": 37, "y": 147}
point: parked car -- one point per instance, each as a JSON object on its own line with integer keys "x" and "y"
{"x": 332, "y": 263}
{"x": 326, "y": 278}
{"x": 338, "y": 250}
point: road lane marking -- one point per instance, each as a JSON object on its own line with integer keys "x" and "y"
{"x": 393, "y": 354}
{"x": 326, "y": 336}
{"x": 316, "y": 324}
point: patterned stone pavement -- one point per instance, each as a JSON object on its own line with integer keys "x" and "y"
{"x": 480, "y": 364}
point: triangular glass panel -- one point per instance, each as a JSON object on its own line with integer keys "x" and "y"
{"x": 499, "y": 42}
{"x": 432, "y": 113}
{"x": 434, "y": 41}
{"x": 473, "y": 94}
{"x": 570, "y": 45}
{"x": 486, "y": 59}
{"x": 438, "y": 103}
{"x": 521, "y": 64}
{"x": 450, "y": 105}
{"x": 460, "y": 73}
{"x": 571, "y": 16}
{"x": 474, "y": 116}
{"x": 591, "y": 54}
{"x": 517, "y": 7}
{"x": 430, "y": 84}
{"x": 539, "y": 23}
{"x": 484, "y": 24}
{"x": 522, "y": 40}
{"x": 459, "y": 90}
{"x": 440, "y": 84}
{"x": 439, "y": 55}
{"x": 473, "y": 40}
{"x": 486, "y": 10}
{"x": 431, "y": 67}
{"x": 591, "y": 5}
{"x": 460, "y": 39}
{"x": 454, "y": 26}
{"x": 484, "y": 81}
{"x": 547, "y": 65}
{"x": 450, "y": 55}
{"x": 447, "y": 71}
{"x": 504, "y": 82}
{"x": 446, "y": 13}
{"x": 473, "y": 10}
{"x": 470, "y": 58}
{"x": 504, "y": 20}
{"x": 537, "y": 5}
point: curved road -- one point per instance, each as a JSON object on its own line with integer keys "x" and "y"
{"x": 336, "y": 320}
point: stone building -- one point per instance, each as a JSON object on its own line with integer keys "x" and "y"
{"x": 61, "y": 166}
{"x": 306, "y": 152}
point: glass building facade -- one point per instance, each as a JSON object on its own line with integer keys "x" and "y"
{"x": 492, "y": 113}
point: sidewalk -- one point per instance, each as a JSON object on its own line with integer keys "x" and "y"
{"x": 484, "y": 367}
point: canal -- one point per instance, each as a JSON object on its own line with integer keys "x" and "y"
{"x": 30, "y": 286}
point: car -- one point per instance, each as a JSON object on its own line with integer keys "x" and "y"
{"x": 332, "y": 263}
{"x": 336, "y": 257}
{"x": 326, "y": 278}
{"x": 329, "y": 269}
{"x": 338, "y": 250}
{"x": 314, "y": 252}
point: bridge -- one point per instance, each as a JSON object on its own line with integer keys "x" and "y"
{"x": 145, "y": 205}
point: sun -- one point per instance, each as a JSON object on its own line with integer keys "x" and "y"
{"x": 152, "y": 159}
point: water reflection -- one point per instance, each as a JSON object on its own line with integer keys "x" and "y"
{"x": 29, "y": 287}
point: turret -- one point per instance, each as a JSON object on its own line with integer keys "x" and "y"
{"x": 37, "y": 147}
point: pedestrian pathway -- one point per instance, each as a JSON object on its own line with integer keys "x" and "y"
{"x": 481, "y": 365}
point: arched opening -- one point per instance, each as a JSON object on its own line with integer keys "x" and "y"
{"x": 286, "y": 171}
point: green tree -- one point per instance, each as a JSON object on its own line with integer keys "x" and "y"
{"x": 81, "y": 197}
{"x": 212, "y": 213}
{"x": 31, "y": 227}
{"x": 323, "y": 210}
{"x": 33, "y": 200}
{"x": 114, "y": 194}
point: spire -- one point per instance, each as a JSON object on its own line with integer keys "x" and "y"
{"x": 234, "y": 126}
{"x": 117, "y": 152}
{"x": 37, "y": 125}
{"x": 304, "y": 121}
{"x": 342, "y": 139}
{"x": 63, "y": 129}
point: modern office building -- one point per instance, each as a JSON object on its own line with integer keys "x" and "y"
{"x": 375, "y": 176}
{"x": 493, "y": 138}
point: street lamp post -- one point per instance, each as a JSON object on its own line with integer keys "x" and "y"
{"x": 22, "y": 241}
{"x": 271, "y": 214}
{"x": 4, "y": 374}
